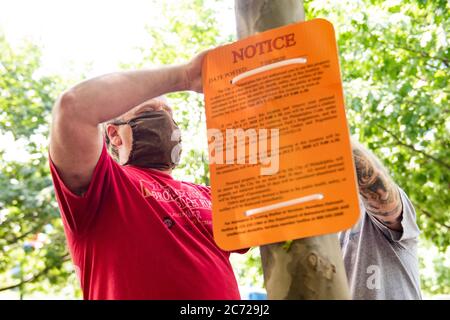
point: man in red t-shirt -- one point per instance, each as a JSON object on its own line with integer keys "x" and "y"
{"x": 133, "y": 231}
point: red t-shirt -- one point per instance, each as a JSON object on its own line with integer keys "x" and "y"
{"x": 139, "y": 234}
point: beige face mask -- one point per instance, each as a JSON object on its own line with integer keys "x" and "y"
{"x": 156, "y": 140}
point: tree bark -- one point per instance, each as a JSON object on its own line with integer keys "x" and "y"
{"x": 309, "y": 268}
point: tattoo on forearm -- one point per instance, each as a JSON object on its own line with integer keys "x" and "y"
{"x": 380, "y": 194}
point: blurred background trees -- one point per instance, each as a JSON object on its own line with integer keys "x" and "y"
{"x": 33, "y": 254}
{"x": 394, "y": 56}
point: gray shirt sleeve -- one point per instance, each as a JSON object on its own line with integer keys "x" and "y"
{"x": 410, "y": 229}
{"x": 382, "y": 263}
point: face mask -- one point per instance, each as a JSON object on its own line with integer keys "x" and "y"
{"x": 156, "y": 141}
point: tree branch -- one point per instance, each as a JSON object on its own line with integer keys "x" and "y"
{"x": 409, "y": 146}
{"x": 429, "y": 215}
{"x": 36, "y": 276}
{"x": 33, "y": 230}
{"x": 423, "y": 54}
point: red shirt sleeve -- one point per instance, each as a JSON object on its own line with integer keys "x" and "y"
{"x": 79, "y": 212}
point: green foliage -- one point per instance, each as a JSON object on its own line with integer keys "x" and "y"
{"x": 248, "y": 269}
{"x": 287, "y": 245}
{"x": 437, "y": 268}
{"x": 395, "y": 59}
{"x": 32, "y": 245}
{"x": 395, "y": 68}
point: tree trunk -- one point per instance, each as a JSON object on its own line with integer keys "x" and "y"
{"x": 309, "y": 268}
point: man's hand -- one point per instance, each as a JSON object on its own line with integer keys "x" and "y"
{"x": 193, "y": 71}
{"x": 380, "y": 194}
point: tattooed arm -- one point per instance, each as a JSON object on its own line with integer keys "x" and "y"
{"x": 380, "y": 194}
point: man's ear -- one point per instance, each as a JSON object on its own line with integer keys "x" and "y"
{"x": 113, "y": 135}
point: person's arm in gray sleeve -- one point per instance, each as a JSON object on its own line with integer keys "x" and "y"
{"x": 380, "y": 194}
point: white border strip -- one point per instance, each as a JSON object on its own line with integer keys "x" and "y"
{"x": 267, "y": 67}
{"x": 312, "y": 197}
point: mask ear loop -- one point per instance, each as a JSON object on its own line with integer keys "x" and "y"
{"x": 116, "y": 123}
{"x": 132, "y": 124}
{"x": 121, "y": 123}
{"x": 177, "y": 149}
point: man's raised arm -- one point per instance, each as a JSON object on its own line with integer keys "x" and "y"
{"x": 379, "y": 192}
{"x": 76, "y": 139}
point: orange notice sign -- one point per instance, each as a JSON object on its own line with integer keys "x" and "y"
{"x": 279, "y": 145}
